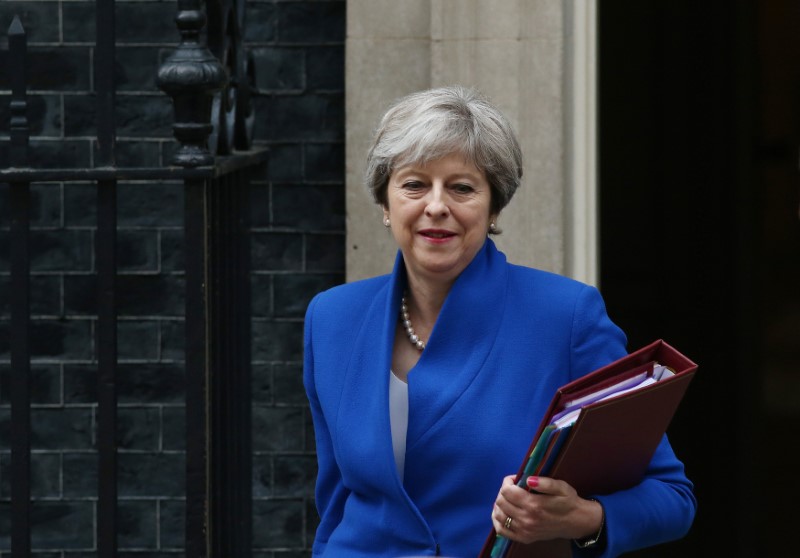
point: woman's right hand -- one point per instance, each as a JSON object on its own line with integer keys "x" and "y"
{"x": 553, "y": 511}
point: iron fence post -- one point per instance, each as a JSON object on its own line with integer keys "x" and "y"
{"x": 20, "y": 302}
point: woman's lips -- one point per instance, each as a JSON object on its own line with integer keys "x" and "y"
{"x": 437, "y": 235}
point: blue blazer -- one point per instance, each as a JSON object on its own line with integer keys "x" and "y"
{"x": 506, "y": 338}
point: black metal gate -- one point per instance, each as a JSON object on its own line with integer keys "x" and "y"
{"x": 217, "y": 314}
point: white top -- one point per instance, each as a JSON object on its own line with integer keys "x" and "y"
{"x": 398, "y": 416}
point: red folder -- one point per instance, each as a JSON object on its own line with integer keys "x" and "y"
{"x": 612, "y": 442}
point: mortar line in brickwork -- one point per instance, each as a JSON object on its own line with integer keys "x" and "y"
{"x": 64, "y": 406}
{"x": 84, "y": 44}
{"x": 152, "y": 498}
{"x": 158, "y": 524}
{"x": 151, "y": 405}
{"x": 298, "y": 230}
{"x": 304, "y": 252}
{"x": 291, "y": 272}
{"x": 60, "y": 23}
{"x": 150, "y": 452}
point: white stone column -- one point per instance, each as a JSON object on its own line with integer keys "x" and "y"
{"x": 534, "y": 59}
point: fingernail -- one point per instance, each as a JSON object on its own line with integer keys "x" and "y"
{"x": 533, "y": 482}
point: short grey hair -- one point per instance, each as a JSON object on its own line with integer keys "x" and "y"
{"x": 428, "y": 125}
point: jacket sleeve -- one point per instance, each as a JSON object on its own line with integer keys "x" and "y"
{"x": 330, "y": 494}
{"x": 662, "y": 507}
{"x": 659, "y": 509}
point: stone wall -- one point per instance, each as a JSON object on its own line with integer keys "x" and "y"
{"x": 297, "y": 250}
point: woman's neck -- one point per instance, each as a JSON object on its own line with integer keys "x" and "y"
{"x": 425, "y": 300}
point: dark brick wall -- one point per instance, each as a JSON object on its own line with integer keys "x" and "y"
{"x": 297, "y": 250}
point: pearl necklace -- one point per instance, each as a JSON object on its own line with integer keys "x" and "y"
{"x": 412, "y": 335}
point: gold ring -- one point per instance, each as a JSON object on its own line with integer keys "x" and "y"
{"x": 507, "y": 524}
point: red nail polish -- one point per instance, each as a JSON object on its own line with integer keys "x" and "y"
{"x": 533, "y": 482}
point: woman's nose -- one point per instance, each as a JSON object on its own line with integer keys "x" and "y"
{"x": 437, "y": 204}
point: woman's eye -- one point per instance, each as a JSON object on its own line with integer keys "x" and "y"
{"x": 463, "y": 188}
{"x": 412, "y": 185}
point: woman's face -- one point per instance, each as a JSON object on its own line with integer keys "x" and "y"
{"x": 439, "y": 215}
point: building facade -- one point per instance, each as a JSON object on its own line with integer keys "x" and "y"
{"x": 660, "y": 150}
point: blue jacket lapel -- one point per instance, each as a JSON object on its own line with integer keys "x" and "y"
{"x": 460, "y": 343}
{"x": 364, "y": 410}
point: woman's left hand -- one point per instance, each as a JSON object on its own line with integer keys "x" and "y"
{"x": 554, "y": 511}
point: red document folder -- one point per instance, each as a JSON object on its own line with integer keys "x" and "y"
{"x": 612, "y": 442}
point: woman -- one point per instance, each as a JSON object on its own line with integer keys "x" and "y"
{"x": 427, "y": 385}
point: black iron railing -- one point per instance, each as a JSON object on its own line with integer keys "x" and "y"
{"x": 19, "y": 191}
{"x": 217, "y": 316}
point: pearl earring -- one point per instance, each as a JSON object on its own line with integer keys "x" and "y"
{"x": 386, "y": 222}
{"x": 493, "y": 227}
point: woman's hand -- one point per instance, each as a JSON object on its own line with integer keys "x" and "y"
{"x": 554, "y": 511}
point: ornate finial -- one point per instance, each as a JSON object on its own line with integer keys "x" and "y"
{"x": 191, "y": 76}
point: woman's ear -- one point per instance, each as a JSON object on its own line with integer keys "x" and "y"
{"x": 493, "y": 227}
